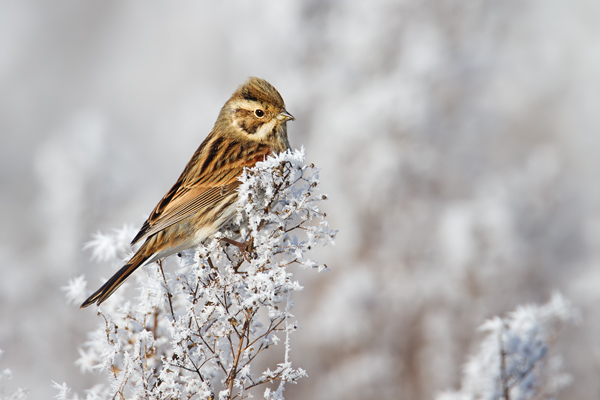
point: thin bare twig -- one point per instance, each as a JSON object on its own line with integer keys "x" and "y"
{"x": 169, "y": 295}
{"x": 503, "y": 378}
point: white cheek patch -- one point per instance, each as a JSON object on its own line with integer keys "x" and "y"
{"x": 265, "y": 129}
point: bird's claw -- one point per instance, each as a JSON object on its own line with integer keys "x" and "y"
{"x": 242, "y": 246}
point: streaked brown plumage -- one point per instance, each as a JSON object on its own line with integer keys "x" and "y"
{"x": 250, "y": 126}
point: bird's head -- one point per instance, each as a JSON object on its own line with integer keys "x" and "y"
{"x": 256, "y": 112}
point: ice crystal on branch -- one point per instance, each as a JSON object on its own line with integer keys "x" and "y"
{"x": 6, "y": 374}
{"x": 194, "y": 333}
{"x": 514, "y": 362}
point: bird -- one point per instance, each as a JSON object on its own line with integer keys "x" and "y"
{"x": 250, "y": 126}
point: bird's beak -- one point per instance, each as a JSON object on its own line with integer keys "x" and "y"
{"x": 285, "y": 116}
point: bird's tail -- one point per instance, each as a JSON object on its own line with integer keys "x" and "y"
{"x": 117, "y": 279}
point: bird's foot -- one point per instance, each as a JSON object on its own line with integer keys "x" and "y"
{"x": 244, "y": 247}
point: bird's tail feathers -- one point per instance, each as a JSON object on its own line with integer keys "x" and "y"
{"x": 138, "y": 260}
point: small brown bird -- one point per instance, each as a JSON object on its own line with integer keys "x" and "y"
{"x": 250, "y": 126}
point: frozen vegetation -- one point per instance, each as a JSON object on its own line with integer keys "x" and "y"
{"x": 457, "y": 142}
{"x": 196, "y": 333}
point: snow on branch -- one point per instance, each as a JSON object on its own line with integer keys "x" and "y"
{"x": 194, "y": 333}
{"x": 514, "y": 361}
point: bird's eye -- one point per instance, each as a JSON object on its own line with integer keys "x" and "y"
{"x": 259, "y": 113}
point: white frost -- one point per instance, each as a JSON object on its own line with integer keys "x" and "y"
{"x": 193, "y": 333}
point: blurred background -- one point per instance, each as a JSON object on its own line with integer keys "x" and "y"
{"x": 458, "y": 142}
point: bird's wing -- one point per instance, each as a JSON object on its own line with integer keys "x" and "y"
{"x": 194, "y": 192}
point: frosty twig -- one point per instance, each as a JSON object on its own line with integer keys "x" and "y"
{"x": 194, "y": 333}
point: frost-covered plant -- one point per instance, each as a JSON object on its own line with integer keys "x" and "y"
{"x": 514, "y": 361}
{"x": 6, "y": 374}
{"x": 194, "y": 333}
